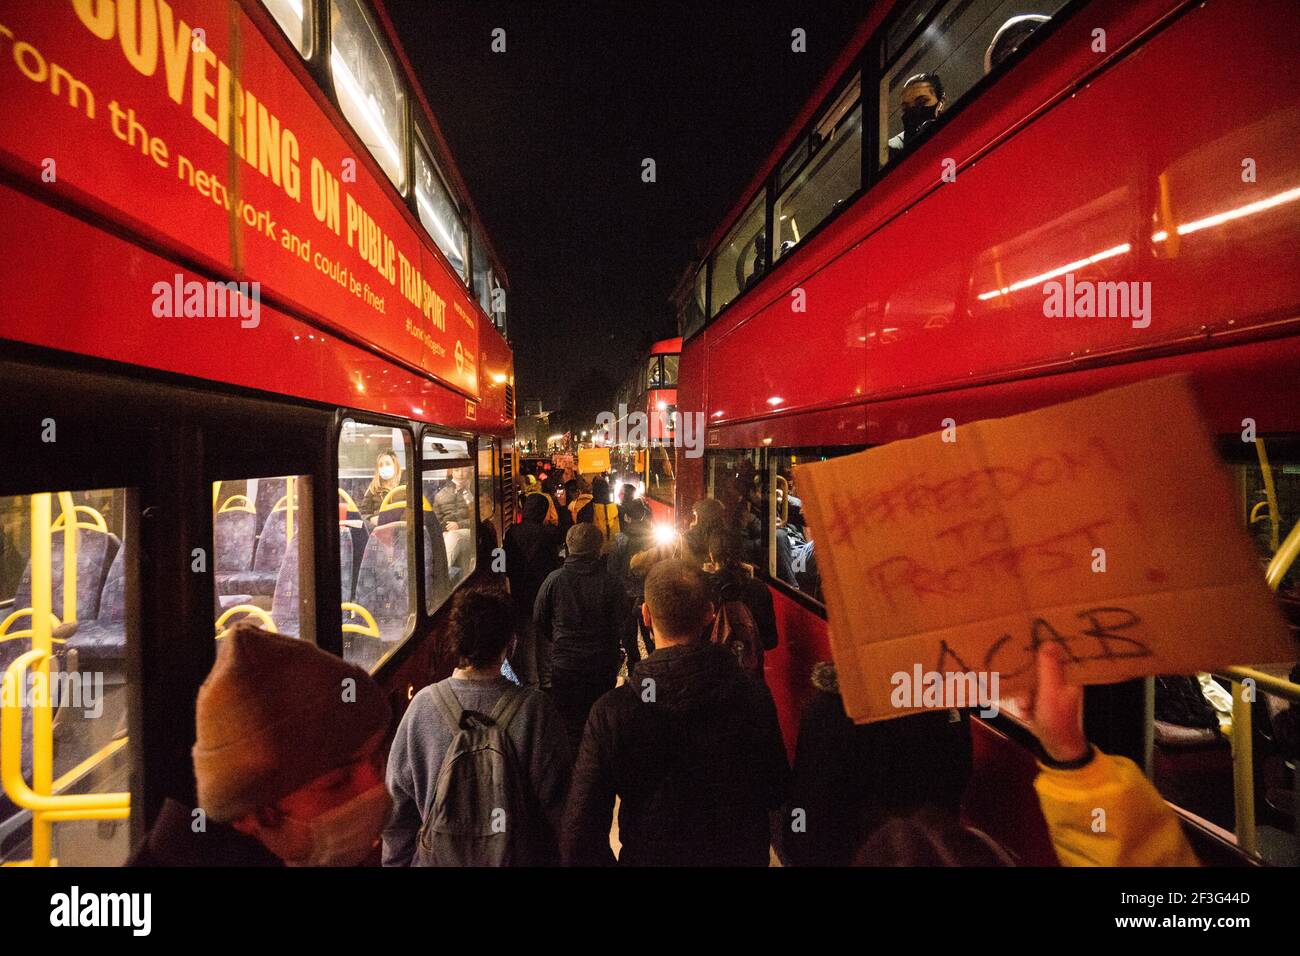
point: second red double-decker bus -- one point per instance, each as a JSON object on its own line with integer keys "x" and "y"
{"x": 646, "y": 424}
{"x": 885, "y": 274}
{"x": 254, "y": 367}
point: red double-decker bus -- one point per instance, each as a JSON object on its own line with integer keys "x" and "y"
{"x": 885, "y": 271}
{"x": 646, "y": 405}
{"x": 254, "y": 366}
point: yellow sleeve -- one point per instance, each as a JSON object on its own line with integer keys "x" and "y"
{"x": 1108, "y": 814}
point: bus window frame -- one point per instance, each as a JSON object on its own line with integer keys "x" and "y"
{"x": 431, "y": 465}
{"x": 870, "y": 65}
{"x": 421, "y": 139}
{"x": 334, "y": 636}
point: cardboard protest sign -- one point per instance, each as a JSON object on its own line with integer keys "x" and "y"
{"x": 1105, "y": 524}
{"x": 593, "y": 461}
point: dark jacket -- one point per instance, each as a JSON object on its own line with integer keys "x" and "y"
{"x": 698, "y": 767}
{"x": 626, "y": 545}
{"x": 171, "y": 841}
{"x": 581, "y": 608}
{"x": 532, "y": 552}
{"x": 452, "y": 504}
{"x": 849, "y": 779}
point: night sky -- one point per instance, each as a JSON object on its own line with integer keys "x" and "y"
{"x": 550, "y": 135}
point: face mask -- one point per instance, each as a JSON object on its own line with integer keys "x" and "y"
{"x": 345, "y": 835}
{"x": 386, "y": 472}
{"x": 915, "y": 119}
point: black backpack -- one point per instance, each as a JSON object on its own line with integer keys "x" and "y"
{"x": 481, "y": 813}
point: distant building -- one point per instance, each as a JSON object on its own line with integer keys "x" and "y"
{"x": 532, "y": 428}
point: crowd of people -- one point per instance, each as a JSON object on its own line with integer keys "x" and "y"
{"x": 609, "y": 667}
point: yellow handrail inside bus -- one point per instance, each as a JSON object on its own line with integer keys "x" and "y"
{"x": 347, "y": 500}
{"x": 1283, "y": 557}
{"x": 1270, "y": 493}
{"x": 6, "y": 635}
{"x": 46, "y": 807}
{"x": 370, "y": 628}
{"x": 69, "y": 551}
{"x": 261, "y": 613}
{"x": 237, "y": 503}
{"x": 97, "y": 521}
{"x": 388, "y": 504}
{"x": 40, "y": 797}
{"x": 1254, "y": 512}
{"x": 1243, "y": 757}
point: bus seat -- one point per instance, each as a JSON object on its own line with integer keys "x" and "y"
{"x": 95, "y": 553}
{"x": 267, "y": 558}
{"x": 102, "y": 639}
{"x": 437, "y": 573}
{"x": 269, "y": 491}
{"x": 383, "y": 583}
{"x": 234, "y": 534}
{"x": 284, "y": 605}
{"x": 347, "y": 572}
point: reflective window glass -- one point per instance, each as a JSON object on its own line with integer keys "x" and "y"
{"x": 449, "y": 505}
{"x": 294, "y": 18}
{"x": 438, "y": 211}
{"x": 376, "y": 541}
{"x": 833, "y": 172}
{"x": 64, "y": 583}
{"x": 962, "y": 43}
{"x": 369, "y": 89}
{"x": 262, "y": 571}
{"x": 742, "y": 257}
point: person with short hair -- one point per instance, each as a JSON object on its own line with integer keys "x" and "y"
{"x": 481, "y": 631}
{"x": 288, "y": 761}
{"x": 922, "y": 101}
{"x": 577, "y": 615}
{"x": 691, "y": 747}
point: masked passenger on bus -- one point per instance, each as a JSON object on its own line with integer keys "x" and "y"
{"x": 922, "y": 101}
{"x": 388, "y": 475}
{"x": 283, "y": 778}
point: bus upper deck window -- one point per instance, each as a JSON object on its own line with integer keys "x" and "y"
{"x": 438, "y": 211}
{"x": 482, "y": 270}
{"x": 376, "y": 540}
{"x": 951, "y": 49}
{"x": 294, "y": 18}
{"x": 370, "y": 93}
{"x": 742, "y": 257}
{"x": 832, "y": 171}
{"x": 262, "y": 568}
{"x": 73, "y": 701}
{"x": 671, "y": 363}
{"x": 498, "y": 304}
